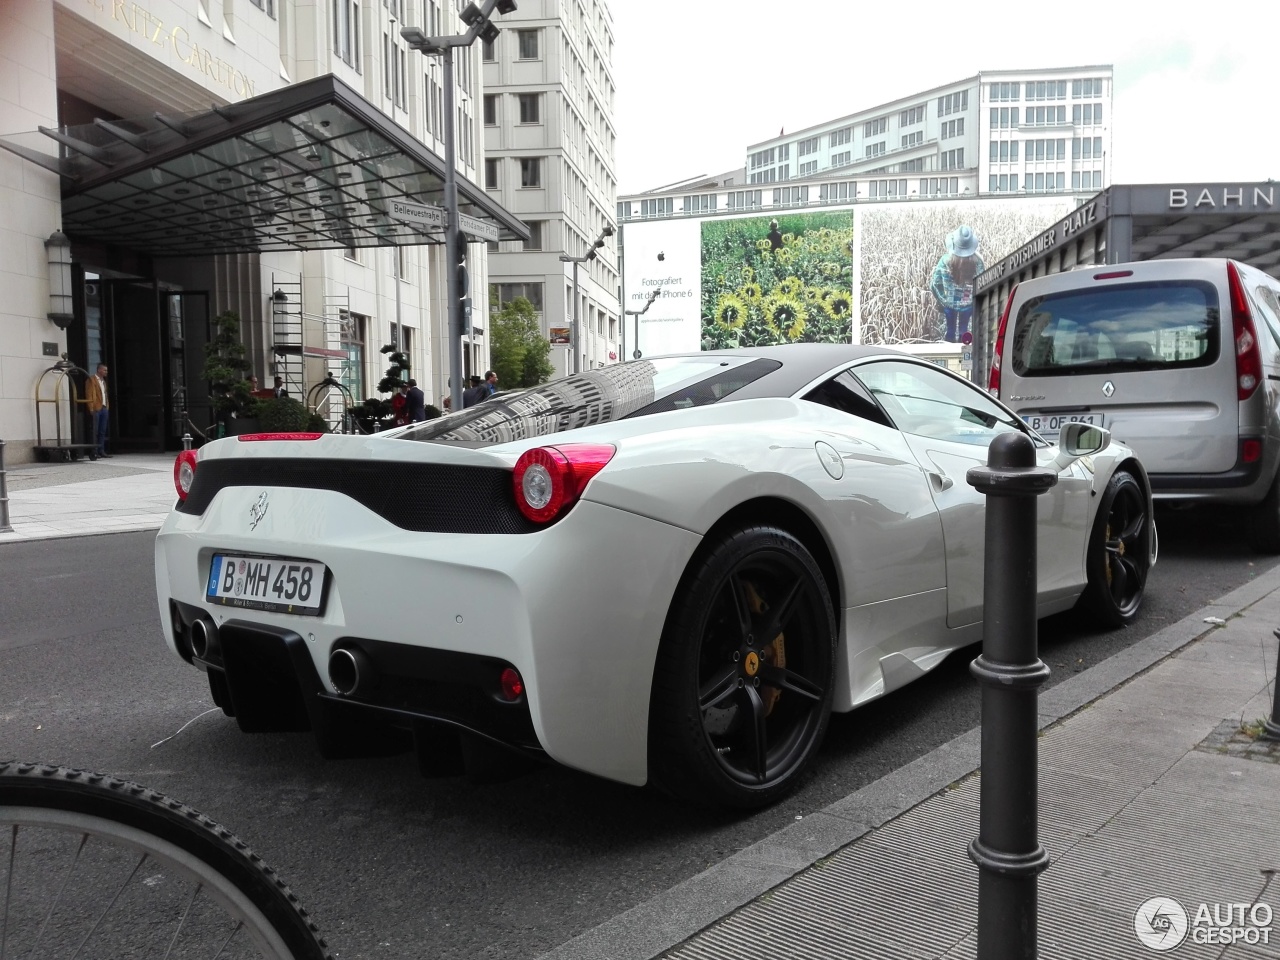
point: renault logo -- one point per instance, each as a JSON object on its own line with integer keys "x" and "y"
{"x": 1108, "y": 388}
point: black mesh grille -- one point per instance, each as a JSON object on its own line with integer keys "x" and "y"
{"x": 427, "y": 497}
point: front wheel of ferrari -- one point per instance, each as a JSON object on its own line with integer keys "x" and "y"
{"x": 743, "y": 684}
{"x": 1119, "y": 553}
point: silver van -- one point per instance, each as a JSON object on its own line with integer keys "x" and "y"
{"x": 1179, "y": 359}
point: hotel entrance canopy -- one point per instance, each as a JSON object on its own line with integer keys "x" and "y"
{"x": 312, "y": 166}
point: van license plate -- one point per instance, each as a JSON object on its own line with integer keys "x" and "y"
{"x": 1043, "y": 423}
{"x": 277, "y": 584}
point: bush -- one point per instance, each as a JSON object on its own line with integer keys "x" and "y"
{"x": 283, "y": 415}
{"x": 432, "y": 411}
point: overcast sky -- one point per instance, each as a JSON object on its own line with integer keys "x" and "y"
{"x": 1195, "y": 84}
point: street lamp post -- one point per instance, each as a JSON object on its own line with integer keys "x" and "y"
{"x": 477, "y": 21}
{"x": 653, "y": 295}
{"x": 575, "y": 337}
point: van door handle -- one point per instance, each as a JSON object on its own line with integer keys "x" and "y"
{"x": 940, "y": 481}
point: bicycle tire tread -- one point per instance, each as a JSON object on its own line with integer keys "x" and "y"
{"x": 70, "y": 789}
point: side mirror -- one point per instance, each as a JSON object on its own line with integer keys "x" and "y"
{"x": 1079, "y": 440}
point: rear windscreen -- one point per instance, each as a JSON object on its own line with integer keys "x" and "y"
{"x": 633, "y": 389}
{"x": 1136, "y": 326}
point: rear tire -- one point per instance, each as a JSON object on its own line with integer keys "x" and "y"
{"x": 744, "y": 676}
{"x": 1119, "y": 553}
{"x": 1264, "y": 521}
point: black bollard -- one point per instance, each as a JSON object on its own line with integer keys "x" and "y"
{"x": 1008, "y": 851}
{"x": 5, "y": 527}
{"x": 1271, "y": 726}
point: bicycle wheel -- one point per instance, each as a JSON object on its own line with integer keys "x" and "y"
{"x": 96, "y": 867}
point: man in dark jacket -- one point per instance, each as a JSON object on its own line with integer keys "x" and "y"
{"x": 417, "y": 403}
{"x": 478, "y": 391}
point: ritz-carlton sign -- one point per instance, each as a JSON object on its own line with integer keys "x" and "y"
{"x": 139, "y": 20}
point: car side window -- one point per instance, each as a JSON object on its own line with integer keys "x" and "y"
{"x": 1268, "y": 305}
{"x": 844, "y": 392}
{"x": 926, "y": 402}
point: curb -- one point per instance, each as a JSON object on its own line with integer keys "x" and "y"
{"x": 672, "y": 917}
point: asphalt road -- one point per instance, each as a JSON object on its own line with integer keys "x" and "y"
{"x": 395, "y": 866}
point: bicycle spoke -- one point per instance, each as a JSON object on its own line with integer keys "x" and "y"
{"x": 127, "y": 881}
{"x": 71, "y": 869}
{"x": 222, "y": 949}
{"x": 8, "y": 890}
{"x": 183, "y": 919}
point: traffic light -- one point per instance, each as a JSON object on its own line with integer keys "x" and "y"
{"x": 464, "y": 280}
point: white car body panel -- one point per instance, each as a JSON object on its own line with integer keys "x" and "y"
{"x": 579, "y": 607}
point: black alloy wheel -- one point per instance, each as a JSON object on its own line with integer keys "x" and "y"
{"x": 1119, "y": 552}
{"x": 744, "y": 679}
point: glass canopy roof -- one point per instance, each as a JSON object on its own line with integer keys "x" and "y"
{"x": 309, "y": 167}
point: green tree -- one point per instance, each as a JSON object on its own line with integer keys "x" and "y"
{"x": 518, "y": 349}
{"x": 225, "y": 367}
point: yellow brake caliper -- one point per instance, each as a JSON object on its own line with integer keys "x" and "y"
{"x": 775, "y": 652}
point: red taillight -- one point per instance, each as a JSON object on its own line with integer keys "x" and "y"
{"x": 184, "y": 473}
{"x": 1250, "y": 451}
{"x": 993, "y": 383}
{"x": 1248, "y": 355}
{"x": 280, "y": 436}
{"x": 549, "y": 480}
{"x": 512, "y": 684}
{"x": 1113, "y": 275}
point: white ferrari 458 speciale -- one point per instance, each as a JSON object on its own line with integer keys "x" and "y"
{"x": 667, "y": 571}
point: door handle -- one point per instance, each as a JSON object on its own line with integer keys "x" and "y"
{"x": 940, "y": 481}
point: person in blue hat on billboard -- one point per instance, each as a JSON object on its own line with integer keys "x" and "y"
{"x": 952, "y": 281}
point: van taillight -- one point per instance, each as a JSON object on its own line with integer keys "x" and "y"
{"x": 1248, "y": 355}
{"x": 993, "y": 382}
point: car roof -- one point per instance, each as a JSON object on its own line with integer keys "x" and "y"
{"x": 802, "y": 363}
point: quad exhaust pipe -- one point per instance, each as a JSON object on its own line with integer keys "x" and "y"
{"x": 351, "y": 671}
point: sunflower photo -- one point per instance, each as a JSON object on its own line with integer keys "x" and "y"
{"x": 779, "y": 279}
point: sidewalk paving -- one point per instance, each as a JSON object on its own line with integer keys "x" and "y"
{"x": 83, "y": 497}
{"x": 1148, "y": 788}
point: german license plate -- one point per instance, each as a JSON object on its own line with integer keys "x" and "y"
{"x": 1051, "y": 424}
{"x": 278, "y": 584}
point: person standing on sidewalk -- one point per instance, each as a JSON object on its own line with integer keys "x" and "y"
{"x": 95, "y": 398}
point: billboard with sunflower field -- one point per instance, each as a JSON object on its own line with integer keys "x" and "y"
{"x": 878, "y": 273}
{"x": 782, "y": 279}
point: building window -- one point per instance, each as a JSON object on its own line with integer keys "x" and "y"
{"x": 624, "y": 210}
{"x": 268, "y": 5}
{"x": 661, "y": 207}
{"x": 1087, "y": 114}
{"x": 953, "y": 159}
{"x": 489, "y": 51}
{"x": 530, "y": 171}
{"x": 912, "y": 139}
{"x": 529, "y": 108}
{"x": 935, "y": 186}
{"x": 952, "y": 128}
{"x": 1046, "y": 90}
{"x": 535, "y": 235}
{"x": 1091, "y": 87}
{"x": 908, "y": 117}
{"x": 506, "y": 292}
{"x": 873, "y": 128}
{"x": 808, "y": 167}
{"x": 875, "y": 149}
{"x": 806, "y": 147}
{"x": 1004, "y": 151}
{"x": 346, "y": 32}
{"x": 788, "y": 196}
{"x": 1004, "y": 118}
{"x": 352, "y": 333}
{"x": 953, "y": 103}
{"x": 842, "y": 159}
{"x": 490, "y": 109}
{"x": 700, "y": 203}
{"x": 528, "y": 44}
{"x": 883, "y": 189}
{"x": 745, "y": 200}
{"x": 491, "y": 167}
{"x": 838, "y": 191}
{"x": 840, "y": 137}
{"x": 761, "y": 158}
{"x": 1004, "y": 91}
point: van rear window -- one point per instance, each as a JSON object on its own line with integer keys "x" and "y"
{"x": 1136, "y": 326}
